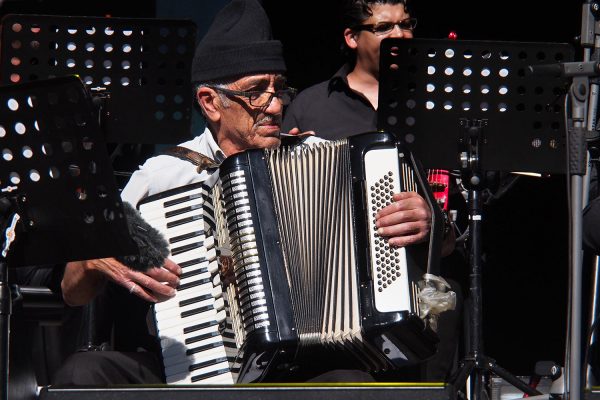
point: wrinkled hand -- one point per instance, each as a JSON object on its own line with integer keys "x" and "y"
{"x": 155, "y": 285}
{"x": 406, "y": 221}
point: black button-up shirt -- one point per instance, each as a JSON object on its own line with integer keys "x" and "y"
{"x": 331, "y": 109}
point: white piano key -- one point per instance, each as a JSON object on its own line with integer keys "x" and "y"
{"x": 176, "y": 312}
{"x": 197, "y": 266}
{"x": 168, "y": 341}
{"x": 191, "y": 218}
{"x": 196, "y": 285}
{"x": 174, "y": 348}
{"x": 169, "y": 319}
{"x": 190, "y": 325}
{"x": 196, "y": 275}
{"x": 176, "y": 365}
{"x": 208, "y": 255}
{"x": 161, "y": 213}
{"x": 161, "y": 203}
{"x": 186, "y": 378}
{"x": 185, "y": 229}
{"x": 217, "y": 369}
{"x": 184, "y": 296}
{"x": 191, "y": 221}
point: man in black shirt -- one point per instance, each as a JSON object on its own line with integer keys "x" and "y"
{"x": 346, "y": 104}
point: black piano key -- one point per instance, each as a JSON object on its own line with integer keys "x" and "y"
{"x": 207, "y": 199}
{"x": 194, "y": 284}
{"x": 195, "y": 311}
{"x": 181, "y": 199}
{"x": 182, "y": 249}
{"x": 190, "y": 235}
{"x": 200, "y": 349}
{"x": 193, "y": 300}
{"x": 210, "y": 220}
{"x": 208, "y": 363}
{"x": 201, "y": 377}
{"x": 228, "y": 334}
{"x": 182, "y": 210}
{"x": 197, "y": 327}
{"x": 183, "y": 221}
{"x": 193, "y": 273}
{"x": 189, "y": 263}
{"x": 199, "y": 338}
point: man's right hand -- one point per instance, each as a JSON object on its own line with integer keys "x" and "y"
{"x": 83, "y": 279}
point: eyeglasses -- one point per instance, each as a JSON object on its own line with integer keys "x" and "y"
{"x": 258, "y": 98}
{"x": 383, "y": 28}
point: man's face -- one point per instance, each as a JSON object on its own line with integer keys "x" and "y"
{"x": 367, "y": 42}
{"x": 244, "y": 125}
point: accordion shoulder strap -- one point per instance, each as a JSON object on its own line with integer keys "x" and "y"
{"x": 201, "y": 161}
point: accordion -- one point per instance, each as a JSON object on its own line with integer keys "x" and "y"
{"x": 281, "y": 262}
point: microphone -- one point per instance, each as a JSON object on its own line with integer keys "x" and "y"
{"x": 568, "y": 69}
{"x": 153, "y": 248}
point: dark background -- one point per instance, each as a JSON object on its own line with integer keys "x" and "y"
{"x": 525, "y": 229}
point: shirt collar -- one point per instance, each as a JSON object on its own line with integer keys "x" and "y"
{"x": 210, "y": 146}
{"x": 339, "y": 80}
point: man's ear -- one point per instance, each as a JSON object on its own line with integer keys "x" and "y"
{"x": 209, "y": 101}
{"x": 350, "y": 38}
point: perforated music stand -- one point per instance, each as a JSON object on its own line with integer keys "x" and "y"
{"x": 136, "y": 67}
{"x": 57, "y": 179}
{"x": 473, "y": 105}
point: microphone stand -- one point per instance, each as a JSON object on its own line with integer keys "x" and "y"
{"x": 584, "y": 103}
{"x": 583, "y": 94}
{"x": 577, "y": 159}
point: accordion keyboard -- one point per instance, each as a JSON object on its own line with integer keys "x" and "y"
{"x": 193, "y": 325}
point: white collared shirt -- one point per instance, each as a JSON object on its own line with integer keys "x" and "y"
{"x": 164, "y": 172}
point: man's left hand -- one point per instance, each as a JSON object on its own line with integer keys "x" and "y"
{"x": 406, "y": 221}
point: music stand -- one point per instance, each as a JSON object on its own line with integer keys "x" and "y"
{"x": 476, "y": 101}
{"x": 135, "y": 67}
{"x": 56, "y": 185}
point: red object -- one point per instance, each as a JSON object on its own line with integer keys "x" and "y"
{"x": 452, "y": 35}
{"x": 439, "y": 180}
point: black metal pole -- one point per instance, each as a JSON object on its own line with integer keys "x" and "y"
{"x": 476, "y": 364}
{"x": 475, "y": 257}
{"x": 5, "y": 312}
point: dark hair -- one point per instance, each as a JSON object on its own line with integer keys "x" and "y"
{"x": 357, "y": 11}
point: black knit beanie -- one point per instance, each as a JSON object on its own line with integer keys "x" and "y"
{"x": 239, "y": 42}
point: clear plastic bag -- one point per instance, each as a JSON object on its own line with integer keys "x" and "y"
{"x": 435, "y": 296}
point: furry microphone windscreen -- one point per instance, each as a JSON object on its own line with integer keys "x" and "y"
{"x": 153, "y": 248}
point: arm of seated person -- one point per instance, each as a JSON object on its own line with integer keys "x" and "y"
{"x": 83, "y": 279}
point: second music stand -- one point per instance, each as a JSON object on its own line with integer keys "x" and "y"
{"x": 135, "y": 66}
{"x": 58, "y": 197}
{"x": 478, "y": 106}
